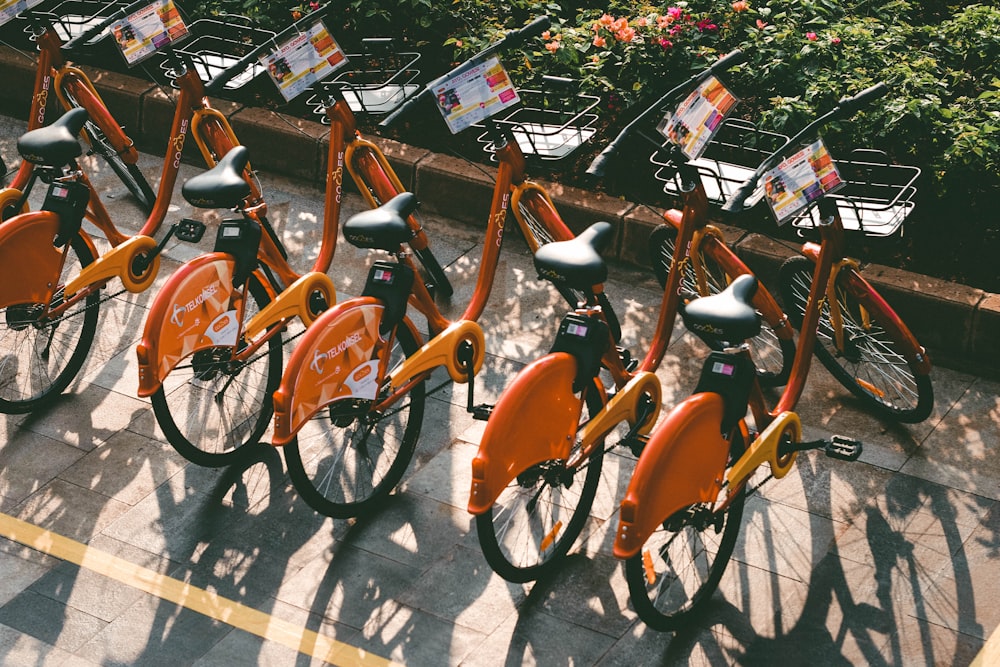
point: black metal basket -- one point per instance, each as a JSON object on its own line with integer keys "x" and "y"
{"x": 378, "y": 80}
{"x": 549, "y": 123}
{"x": 729, "y": 159}
{"x": 218, "y": 43}
{"x": 71, "y": 18}
{"x": 876, "y": 198}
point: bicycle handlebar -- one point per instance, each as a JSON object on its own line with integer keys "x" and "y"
{"x": 730, "y": 60}
{"x": 510, "y": 40}
{"x": 846, "y": 107}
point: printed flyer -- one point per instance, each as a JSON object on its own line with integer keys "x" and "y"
{"x": 147, "y": 30}
{"x": 473, "y": 93}
{"x": 698, "y": 118}
{"x": 799, "y": 180}
{"x": 303, "y": 60}
{"x": 11, "y": 8}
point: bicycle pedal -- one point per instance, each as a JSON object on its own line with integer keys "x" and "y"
{"x": 190, "y": 230}
{"x": 843, "y": 448}
{"x": 482, "y": 411}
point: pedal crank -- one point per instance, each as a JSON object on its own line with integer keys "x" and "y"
{"x": 837, "y": 447}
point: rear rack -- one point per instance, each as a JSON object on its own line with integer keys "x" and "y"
{"x": 549, "y": 123}
{"x": 729, "y": 159}
{"x": 219, "y": 43}
{"x": 876, "y": 198}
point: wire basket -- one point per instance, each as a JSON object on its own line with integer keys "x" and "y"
{"x": 380, "y": 79}
{"x": 219, "y": 43}
{"x": 74, "y": 17}
{"x": 549, "y": 123}
{"x": 730, "y": 158}
{"x": 876, "y": 198}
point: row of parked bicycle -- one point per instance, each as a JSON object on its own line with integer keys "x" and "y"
{"x": 347, "y": 406}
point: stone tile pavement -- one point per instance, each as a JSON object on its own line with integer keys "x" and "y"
{"x": 888, "y": 561}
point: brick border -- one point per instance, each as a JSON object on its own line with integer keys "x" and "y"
{"x": 959, "y": 325}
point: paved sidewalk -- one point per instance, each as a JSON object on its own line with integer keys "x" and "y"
{"x": 888, "y": 561}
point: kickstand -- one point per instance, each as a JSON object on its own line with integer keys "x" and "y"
{"x": 482, "y": 411}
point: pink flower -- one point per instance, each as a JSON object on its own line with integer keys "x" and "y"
{"x": 595, "y": 58}
{"x": 675, "y": 13}
{"x": 706, "y": 25}
{"x": 642, "y": 22}
{"x": 835, "y": 40}
{"x": 458, "y": 43}
{"x": 626, "y": 34}
{"x": 600, "y": 42}
{"x": 552, "y": 47}
{"x": 761, "y": 24}
{"x": 665, "y": 43}
{"x": 741, "y": 6}
{"x": 663, "y": 21}
{"x": 313, "y": 6}
{"x": 811, "y": 36}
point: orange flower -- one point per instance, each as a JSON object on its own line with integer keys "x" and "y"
{"x": 546, "y": 34}
{"x": 606, "y": 20}
{"x": 552, "y": 47}
{"x": 741, "y": 6}
{"x": 600, "y": 42}
{"x": 626, "y": 34}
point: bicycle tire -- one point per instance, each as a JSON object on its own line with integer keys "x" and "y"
{"x": 30, "y": 374}
{"x": 537, "y": 233}
{"x": 871, "y": 367}
{"x": 129, "y": 174}
{"x": 772, "y": 354}
{"x": 215, "y": 411}
{"x": 689, "y": 553}
{"x": 343, "y": 478}
{"x": 516, "y": 533}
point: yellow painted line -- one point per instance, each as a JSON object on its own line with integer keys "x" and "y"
{"x": 989, "y": 656}
{"x": 190, "y": 597}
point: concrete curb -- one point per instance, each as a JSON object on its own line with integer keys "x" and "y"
{"x": 959, "y": 325}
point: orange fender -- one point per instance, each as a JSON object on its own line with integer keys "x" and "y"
{"x": 335, "y": 359}
{"x": 535, "y": 420}
{"x": 193, "y": 310}
{"x": 28, "y": 260}
{"x": 683, "y": 463}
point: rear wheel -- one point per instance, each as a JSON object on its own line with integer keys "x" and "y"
{"x": 40, "y": 357}
{"x": 772, "y": 354}
{"x": 347, "y": 462}
{"x": 871, "y": 365}
{"x": 212, "y": 407}
{"x": 680, "y": 565}
{"x": 537, "y": 518}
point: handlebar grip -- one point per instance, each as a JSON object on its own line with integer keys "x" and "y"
{"x": 735, "y": 202}
{"x": 403, "y": 109}
{"x": 729, "y": 61}
{"x": 533, "y": 29}
{"x": 849, "y": 106}
{"x": 600, "y": 163}
{"x": 84, "y": 38}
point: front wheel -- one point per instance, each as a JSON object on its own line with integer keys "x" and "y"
{"x": 681, "y": 564}
{"x": 214, "y": 407}
{"x": 872, "y": 364}
{"x": 772, "y": 354}
{"x": 537, "y": 518}
{"x": 347, "y": 462}
{"x": 40, "y": 355}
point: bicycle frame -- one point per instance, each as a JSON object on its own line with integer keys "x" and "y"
{"x": 305, "y": 390}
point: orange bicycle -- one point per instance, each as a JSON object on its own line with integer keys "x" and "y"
{"x": 211, "y": 353}
{"x": 539, "y": 462}
{"x": 58, "y": 33}
{"x": 52, "y": 293}
{"x": 357, "y": 376}
{"x": 681, "y": 513}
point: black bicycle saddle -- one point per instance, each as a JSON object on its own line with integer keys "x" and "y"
{"x": 222, "y": 186}
{"x": 57, "y": 144}
{"x": 382, "y": 228}
{"x": 576, "y": 263}
{"x": 728, "y": 315}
